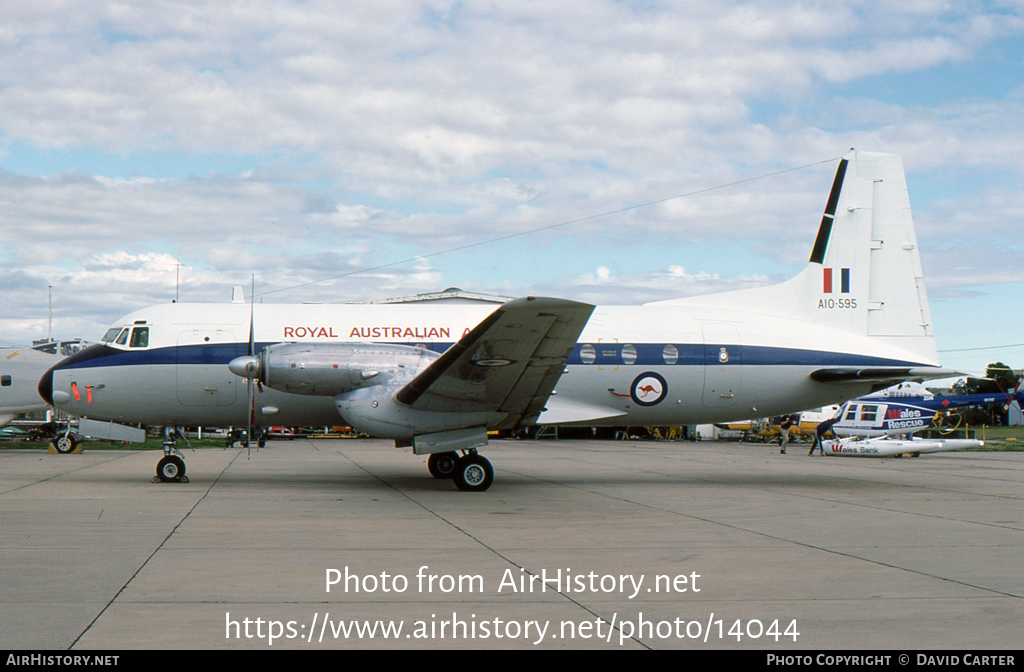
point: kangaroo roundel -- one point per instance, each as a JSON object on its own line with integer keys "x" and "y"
{"x": 648, "y": 389}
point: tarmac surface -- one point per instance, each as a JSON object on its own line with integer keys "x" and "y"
{"x": 669, "y": 545}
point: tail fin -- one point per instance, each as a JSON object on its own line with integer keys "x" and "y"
{"x": 864, "y": 275}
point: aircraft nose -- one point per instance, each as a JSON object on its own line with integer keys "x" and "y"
{"x": 46, "y": 386}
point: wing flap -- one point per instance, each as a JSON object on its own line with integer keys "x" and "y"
{"x": 509, "y": 363}
{"x": 559, "y": 411}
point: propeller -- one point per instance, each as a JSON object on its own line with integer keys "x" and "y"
{"x": 249, "y": 381}
{"x": 248, "y": 366}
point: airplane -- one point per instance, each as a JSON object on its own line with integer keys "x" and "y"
{"x": 766, "y": 428}
{"x": 20, "y": 371}
{"x": 436, "y": 378}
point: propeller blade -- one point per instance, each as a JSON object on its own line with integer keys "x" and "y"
{"x": 252, "y": 335}
{"x": 252, "y": 403}
{"x": 251, "y": 352}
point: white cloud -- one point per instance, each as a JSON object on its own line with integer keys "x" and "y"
{"x": 392, "y": 129}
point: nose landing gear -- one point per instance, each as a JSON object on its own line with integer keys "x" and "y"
{"x": 171, "y": 468}
{"x": 66, "y": 442}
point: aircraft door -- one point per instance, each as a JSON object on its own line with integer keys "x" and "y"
{"x": 202, "y": 358}
{"x": 723, "y": 364}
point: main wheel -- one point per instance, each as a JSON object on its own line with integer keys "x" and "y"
{"x": 473, "y": 473}
{"x": 442, "y": 465}
{"x": 170, "y": 469}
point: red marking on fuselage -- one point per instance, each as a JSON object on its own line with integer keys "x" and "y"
{"x": 400, "y": 332}
{"x": 309, "y": 332}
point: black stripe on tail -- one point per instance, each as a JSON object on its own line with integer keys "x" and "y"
{"x": 825, "y": 230}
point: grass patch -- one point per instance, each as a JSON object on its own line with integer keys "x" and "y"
{"x": 150, "y": 444}
{"x": 999, "y": 439}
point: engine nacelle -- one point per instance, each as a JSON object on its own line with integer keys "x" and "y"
{"x": 363, "y": 379}
{"x": 377, "y": 413}
{"x": 329, "y": 369}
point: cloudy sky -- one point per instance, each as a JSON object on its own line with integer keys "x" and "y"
{"x": 363, "y": 144}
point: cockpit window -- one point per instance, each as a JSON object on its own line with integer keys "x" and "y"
{"x": 122, "y": 337}
{"x": 140, "y": 337}
{"x": 109, "y": 336}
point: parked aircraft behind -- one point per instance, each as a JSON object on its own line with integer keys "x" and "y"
{"x": 889, "y": 413}
{"x": 20, "y": 371}
{"x": 882, "y": 424}
{"x": 437, "y": 378}
{"x": 766, "y": 428}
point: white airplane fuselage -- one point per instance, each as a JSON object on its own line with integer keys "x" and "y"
{"x": 437, "y": 376}
{"x": 713, "y": 365}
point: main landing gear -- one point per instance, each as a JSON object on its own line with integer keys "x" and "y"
{"x": 471, "y": 472}
{"x": 171, "y": 467}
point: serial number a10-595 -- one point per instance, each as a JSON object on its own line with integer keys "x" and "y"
{"x": 837, "y": 303}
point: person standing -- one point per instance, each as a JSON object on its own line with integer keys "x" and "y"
{"x": 820, "y": 431}
{"x": 784, "y": 428}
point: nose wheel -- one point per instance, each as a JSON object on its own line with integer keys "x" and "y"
{"x": 66, "y": 443}
{"x": 171, "y": 469}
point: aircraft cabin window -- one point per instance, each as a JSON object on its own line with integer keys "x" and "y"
{"x": 587, "y": 353}
{"x": 852, "y": 413}
{"x": 868, "y": 413}
{"x": 122, "y": 338}
{"x": 109, "y": 336}
{"x": 628, "y": 354}
{"x": 140, "y": 337}
{"x": 670, "y": 354}
{"x": 5, "y": 381}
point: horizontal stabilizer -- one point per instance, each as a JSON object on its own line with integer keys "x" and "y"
{"x": 886, "y": 375}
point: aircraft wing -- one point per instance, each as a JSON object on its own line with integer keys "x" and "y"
{"x": 509, "y": 363}
{"x": 887, "y": 375}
